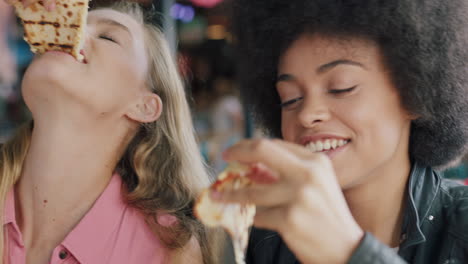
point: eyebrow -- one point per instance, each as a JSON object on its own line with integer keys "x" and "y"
{"x": 322, "y": 69}
{"x": 110, "y": 22}
{"x": 328, "y": 66}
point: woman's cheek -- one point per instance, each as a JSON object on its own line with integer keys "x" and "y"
{"x": 287, "y": 126}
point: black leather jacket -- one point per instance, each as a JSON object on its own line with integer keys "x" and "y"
{"x": 435, "y": 229}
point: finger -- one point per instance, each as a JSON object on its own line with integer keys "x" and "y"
{"x": 299, "y": 150}
{"x": 267, "y": 152}
{"x": 28, "y": 3}
{"x": 49, "y": 5}
{"x": 316, "y": 162}
{"x": 261, "y": 174}
{"x": 270, "y": 218}
{"x": 52, "y": 5}
{"x": 260, "y": 195}
{"x": 305, "y": 153}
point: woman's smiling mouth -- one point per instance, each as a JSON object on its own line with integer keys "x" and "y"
{"x": 324, "y": 145}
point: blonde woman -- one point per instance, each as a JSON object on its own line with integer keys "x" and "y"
{"x": 108, "y": 170}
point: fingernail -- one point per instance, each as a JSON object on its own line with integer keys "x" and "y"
{"x": 260, "y": 174}
{"x": 216, "y": 195}
{"x": 262, "y": 178}
{"x": 51, "y": 7}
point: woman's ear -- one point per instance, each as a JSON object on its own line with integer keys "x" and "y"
{"x": 147, "y": 109}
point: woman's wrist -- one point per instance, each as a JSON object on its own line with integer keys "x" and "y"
{"x": 351, "y": 244}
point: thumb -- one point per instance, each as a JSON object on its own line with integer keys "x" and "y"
{"x": 49, "y": 5}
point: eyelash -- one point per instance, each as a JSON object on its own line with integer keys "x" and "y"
{"x": 341, "y": 91}
{"x": 105, "y": 37}
{"x": 290, "y": 102}
{"x": 332, "y": 91}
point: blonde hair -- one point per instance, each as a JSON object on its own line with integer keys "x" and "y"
{"x": 12, "y": 156}
{"x": 162, "y": 167}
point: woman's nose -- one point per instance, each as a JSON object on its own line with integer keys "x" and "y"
{"x": 87, "y": 39}
{"x": 86, "y": 45}
{"x": 313, "y": 111}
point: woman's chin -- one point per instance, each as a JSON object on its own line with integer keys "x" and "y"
{"x": 48, "y": 73}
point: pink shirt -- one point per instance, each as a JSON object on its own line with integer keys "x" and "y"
{"x": 111, "y": 232}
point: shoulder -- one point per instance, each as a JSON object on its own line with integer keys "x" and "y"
{"x": 127, "y": 240}
{"x": 453, "y": 193}
{"x": 190, "y": 253}
{"x": 454, "y": 198}
{"x": 151, "y": 242}
{"x": 134, "y": 225}
{"x": 454, "y": 189}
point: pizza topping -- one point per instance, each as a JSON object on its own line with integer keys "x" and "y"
{"x": 236, "y": 219}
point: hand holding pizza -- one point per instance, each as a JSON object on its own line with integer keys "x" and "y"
{"x": 304, "y": 203}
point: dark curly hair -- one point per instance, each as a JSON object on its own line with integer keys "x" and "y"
{"x": 424, "y": 44}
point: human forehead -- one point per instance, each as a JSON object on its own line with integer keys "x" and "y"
{"x": 327, "y": 48}
{"x": 135, "y": 29}
{"x": 119, "y": 17}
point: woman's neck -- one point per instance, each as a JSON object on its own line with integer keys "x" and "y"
{"x": 378, "y": 205}
{"x": 64, "y": 173}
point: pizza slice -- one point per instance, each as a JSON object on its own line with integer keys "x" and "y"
{"x": 236, "y": 219}
{"x": 59, "y": 30}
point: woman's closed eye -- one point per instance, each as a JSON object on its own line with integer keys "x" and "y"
{"x": 290, "y": 103}
{"x": 108, "y": 38}
{"x": 342, "y": 91}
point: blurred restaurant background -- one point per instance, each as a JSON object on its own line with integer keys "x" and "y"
{"x": 199, "y": 35}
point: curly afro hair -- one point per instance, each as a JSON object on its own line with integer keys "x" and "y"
{"x": 424, "y": 44}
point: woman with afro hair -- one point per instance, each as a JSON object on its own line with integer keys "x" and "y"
{"x": 366, "y": 100}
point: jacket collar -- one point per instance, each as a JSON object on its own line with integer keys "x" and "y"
{"x": 423, "y": 187}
